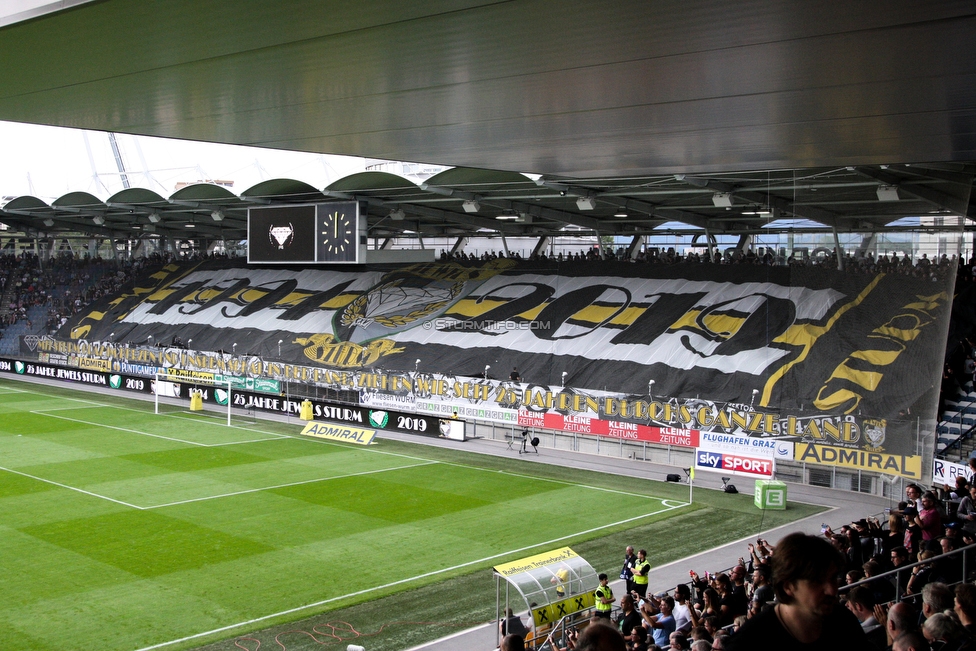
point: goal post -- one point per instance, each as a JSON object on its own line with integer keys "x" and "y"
{"x": 173, "y": 383}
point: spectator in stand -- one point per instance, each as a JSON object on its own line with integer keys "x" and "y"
{"x": 861, "y": 602}
{"x": 762, "y": 592}
{"x": 740, "y": 597}
{"x": 710, "y": 606}
{"x": 901, "y": 618}
{"x": 943, "y": 632}
{"x": 512, "y": 643}
{"x": 882, "y": 589}
{"x": 678, "y": 641}
{"x": 805, "y": 570}
{"x": 911, "y": 641}
{"x": 629, "y": 617}
{"x": 929, "y": 519}
{"x": 599, "y": 636}
{"x": 895, "y": 536}
{"x": 637, "y": 640}
{"x": 658, "y": 617}
{"x": 965, "y": 607}
{"x": 966, "y": 513}
{"x": 936, "y": 598}
{"x": 949, "y": 567}
{"x": 682, "y": 610}
{"x": 922, "y": 574}
{"x": 721, "y": 640}
{"x": 899, "y": 558}
{"x": 848, "y": 545}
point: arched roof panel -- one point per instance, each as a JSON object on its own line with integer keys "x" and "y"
{"x": 136, "y": 196}
{"x": 284, "y": 190}
{"x": 203, "y": 192}
{"x": 382, "y": 182}
{"x": 79, "y": 200}
{"x": 460, "y": 176}
{"x": 25, "y": 202}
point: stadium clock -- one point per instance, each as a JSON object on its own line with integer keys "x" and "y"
{"x": 337, "y": 236}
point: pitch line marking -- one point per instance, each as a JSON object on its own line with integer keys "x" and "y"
{"x": 459, "y": 566}
{"x": 71, "y": 488}
{"x": 134, "y": 431}
{"x": 120, "y": 429}
{"x": 212, "y": 497}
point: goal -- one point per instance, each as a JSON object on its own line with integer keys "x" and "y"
{"x": 177, "y": 388}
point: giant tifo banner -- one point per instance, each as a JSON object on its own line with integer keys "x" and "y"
{"x": 843, "y": 365}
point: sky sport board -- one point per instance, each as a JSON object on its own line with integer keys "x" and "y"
{"x": 125, "y": 530}
{"x": 325, "y": 233}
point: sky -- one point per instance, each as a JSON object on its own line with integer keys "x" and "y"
{"x": 47, "y": 162}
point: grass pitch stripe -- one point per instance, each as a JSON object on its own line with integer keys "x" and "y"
{"x": 120, "y": 429}
{"x": 298, "y": 609}
{"x": 71, "y": 488}
{"x": 294, "y": 483}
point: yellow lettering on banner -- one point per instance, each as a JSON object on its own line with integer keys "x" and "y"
{"x": 892, "y": 464}
{"x": 90, "y": 364}
{"x": 534, "y": 562}
{"x": 181, "y": 375}
{"x": 340, "y": 433}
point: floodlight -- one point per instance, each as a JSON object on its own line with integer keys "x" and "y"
{"x": 887, "y": 193}
{"x": 154, "y": 217}
{"x": 98, "y": 219}
{"x": 586, "y": 203}
{"x": 722, "y": 199}
{"x": 397, "y": 215}
{"x": 217, "y": 215}
{"x": 49, "y": 222}
{"x": 471, "y": 206}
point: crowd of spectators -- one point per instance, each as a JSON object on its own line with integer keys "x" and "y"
{"x": 909, "y": 585}
{"x": 64, "y": 284}
{"x": 922, "y": 267}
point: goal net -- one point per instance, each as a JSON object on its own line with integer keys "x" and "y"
{"x": 179, "y": 391}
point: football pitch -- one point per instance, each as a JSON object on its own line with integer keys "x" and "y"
{"x": 125, "y": 530}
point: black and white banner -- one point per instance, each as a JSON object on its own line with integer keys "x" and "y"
{"x": 807, "y": 353}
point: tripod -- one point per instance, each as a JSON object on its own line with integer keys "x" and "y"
{"x": 534, "y": 442}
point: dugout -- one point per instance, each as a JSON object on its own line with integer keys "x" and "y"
{"x": 550, "y": 586}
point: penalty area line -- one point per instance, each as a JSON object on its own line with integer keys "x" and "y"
{"x": 323, "y": 602}
{"x": 71, "y": 488}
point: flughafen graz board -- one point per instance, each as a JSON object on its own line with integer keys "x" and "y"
{"x": 843, "y": 365}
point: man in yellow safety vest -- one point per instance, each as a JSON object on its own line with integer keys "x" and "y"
{"x": 641, "y": 570}
{"x": 604, "y": 597}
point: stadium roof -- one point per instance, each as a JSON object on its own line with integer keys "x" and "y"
{"x": 812, "y": 106}
{"x": 463, "y": 202}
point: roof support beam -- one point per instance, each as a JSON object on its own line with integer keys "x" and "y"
{"x": 540, "y": 246}
{"x": 957, "y": 205}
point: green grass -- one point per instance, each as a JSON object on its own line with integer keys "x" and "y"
{"x": 121, "y": 529}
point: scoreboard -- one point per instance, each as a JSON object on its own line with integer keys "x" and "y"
{"x": 325, "y": 233}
